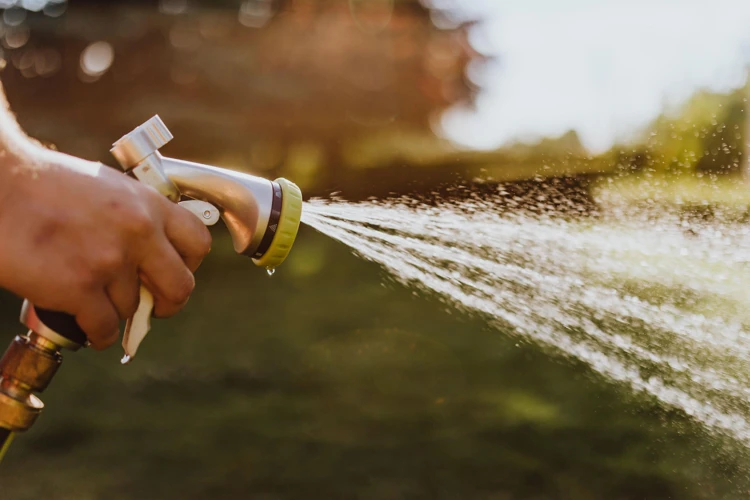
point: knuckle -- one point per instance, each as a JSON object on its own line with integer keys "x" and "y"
{"x": 140, "y": 222}
{"x": 107, "y": 261}
{"x": 84, "y": 282}
{"x": 180, "y": 291}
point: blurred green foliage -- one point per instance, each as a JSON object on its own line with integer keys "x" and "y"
{"x": 693, "y": 155}
{"x": 705, "y": 135}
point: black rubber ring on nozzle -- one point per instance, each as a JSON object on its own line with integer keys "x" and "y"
{"x": 273, "y": 222}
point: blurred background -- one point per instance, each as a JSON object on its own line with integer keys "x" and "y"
{"x": 328, "y": 380}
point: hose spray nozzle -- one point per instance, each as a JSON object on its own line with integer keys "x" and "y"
{"x": 262, "y": 216}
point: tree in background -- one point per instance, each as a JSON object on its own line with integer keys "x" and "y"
{"x": 277, "y": 85}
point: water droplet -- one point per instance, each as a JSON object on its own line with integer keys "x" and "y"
{"x": 270, "y": 271}
{"x": 206, "y": 214}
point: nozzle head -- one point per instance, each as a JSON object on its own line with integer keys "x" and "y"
{"x": 287, "y": 227}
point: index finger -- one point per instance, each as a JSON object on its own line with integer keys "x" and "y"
{"x": 188, "y": 235}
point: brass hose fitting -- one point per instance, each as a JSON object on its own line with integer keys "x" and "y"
{"x": 28, "y": 366}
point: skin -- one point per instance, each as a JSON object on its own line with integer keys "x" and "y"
{"x": 80, "y": 237}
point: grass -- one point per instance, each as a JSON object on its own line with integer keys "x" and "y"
{"x": 326, "y": 381}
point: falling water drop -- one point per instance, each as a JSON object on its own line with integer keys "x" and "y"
{"x": 270, "y": 271}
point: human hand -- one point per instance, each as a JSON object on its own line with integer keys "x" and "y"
{"x": 80, "y": 238}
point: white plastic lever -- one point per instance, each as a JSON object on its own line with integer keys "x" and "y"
{"x": 207, "y": 213}
{"x": 139, "y": 325}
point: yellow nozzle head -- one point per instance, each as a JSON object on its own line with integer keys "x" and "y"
{"x": 286, "y": 233}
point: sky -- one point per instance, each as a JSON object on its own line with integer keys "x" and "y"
{"x": 604, "y": 68}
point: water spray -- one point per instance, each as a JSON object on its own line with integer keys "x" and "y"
{"x": 262, "y": 217}
{"x": 646, "y": 297}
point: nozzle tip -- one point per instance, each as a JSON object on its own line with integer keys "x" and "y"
{"x": 288, "y": 225}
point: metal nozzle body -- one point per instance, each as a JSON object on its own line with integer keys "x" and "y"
{"x": 244, "y": 201}
{"x": 251, "y": 207}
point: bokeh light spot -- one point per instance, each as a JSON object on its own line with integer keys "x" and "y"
{"x": 47, "y": 62}
{"x": 14, "y": 16}
{"x": 173, "y": 7}
{"x": 255, "y": 13}
{"x": 97, "y": 58}
{"x": 17, "y": 36}
{"x": 33, "y": 5}
{"x": 55, "y": 9}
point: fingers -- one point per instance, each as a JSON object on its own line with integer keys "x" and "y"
{"x": 124, "y": 293}
{"x": 99, "y": 320}
{"x": 164, "y": 273}
{"x": 168, "y": 278}
{"x": 166, "y": 269}
{"x": 188, "y": 234}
